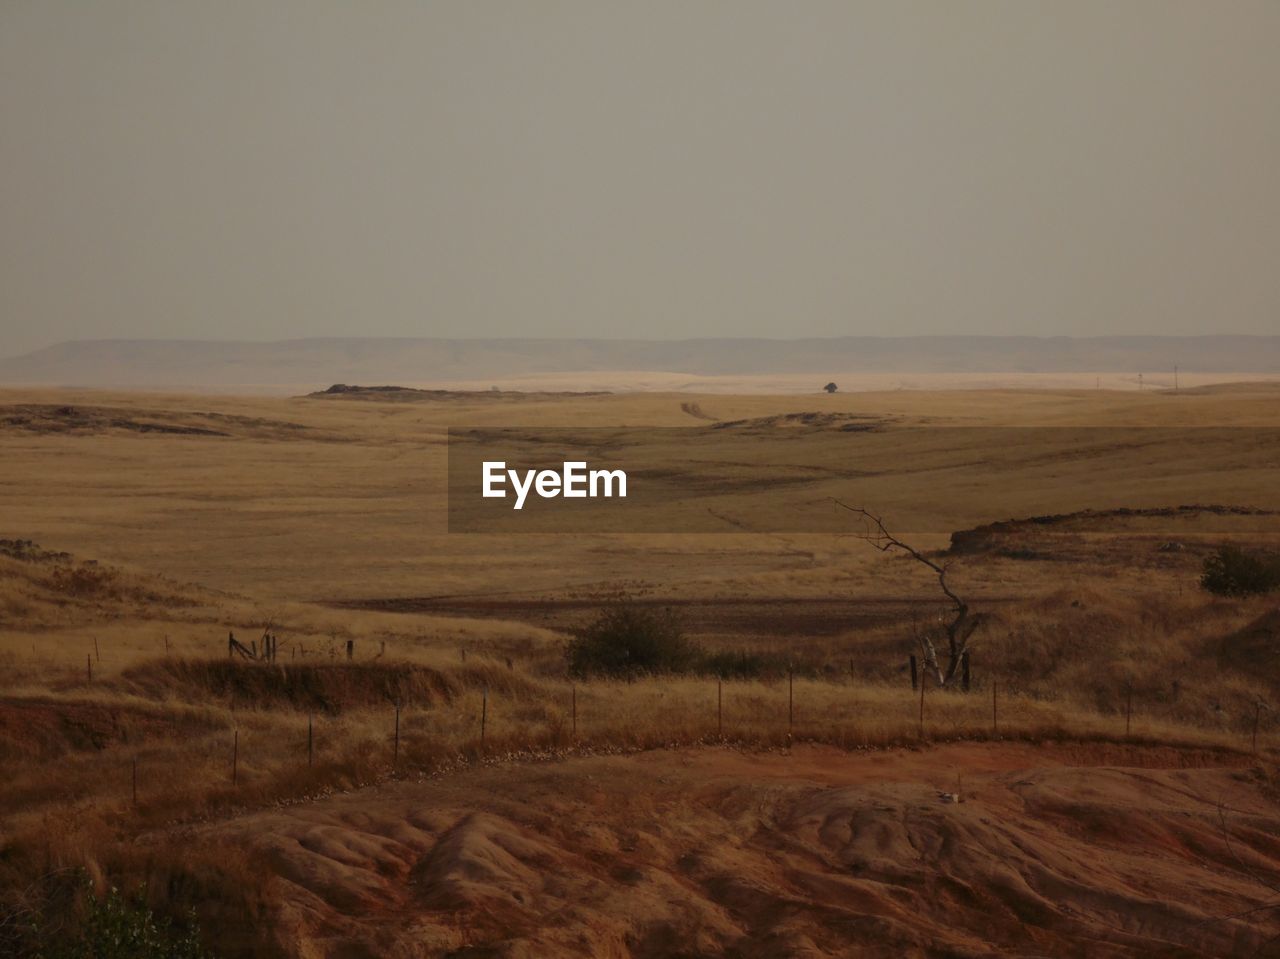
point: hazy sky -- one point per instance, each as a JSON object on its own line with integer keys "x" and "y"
{"x": 268, "y": 170}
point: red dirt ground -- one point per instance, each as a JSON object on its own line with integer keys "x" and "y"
{"x": 958, "y": 850}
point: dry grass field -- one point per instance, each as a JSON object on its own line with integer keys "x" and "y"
{"x": 1105, "y": 788}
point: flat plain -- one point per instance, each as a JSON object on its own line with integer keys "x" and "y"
{"x": 1105, "y": 787}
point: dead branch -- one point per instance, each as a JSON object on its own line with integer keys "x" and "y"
{"x": 963, "y": 624}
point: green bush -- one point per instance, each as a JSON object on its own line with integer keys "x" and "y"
{"x": 1232, "y": 571}
{"x": 628, "y": 639}
{"x": 120, "y": 928}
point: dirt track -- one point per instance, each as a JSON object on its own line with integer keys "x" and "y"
{"x": 739, "y": 615}
{"x": 960, "y": 850}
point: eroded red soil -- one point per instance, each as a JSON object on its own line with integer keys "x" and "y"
{"x": 959, "y": 850}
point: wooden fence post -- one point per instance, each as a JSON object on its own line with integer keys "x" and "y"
{"x": 791, "y": 703}
{"x": 915, "y": 675}
{"x": 720, "y": 707}
{"x": 97, "y": 654}
{"x": 924, "y": 680}
{"x": 1128, "y": 705}
{"x": 88, "y": 663}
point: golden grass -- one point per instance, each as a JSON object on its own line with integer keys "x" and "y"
{"x": 201, "y": 535}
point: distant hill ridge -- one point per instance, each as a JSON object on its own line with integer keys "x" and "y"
{"x": 151, "y": 363}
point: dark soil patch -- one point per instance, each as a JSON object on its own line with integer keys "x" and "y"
{"x": 43, "y": 729}
{"x": 754, "y": 616}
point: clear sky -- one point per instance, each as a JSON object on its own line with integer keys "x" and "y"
{"x": 255, "y": 169}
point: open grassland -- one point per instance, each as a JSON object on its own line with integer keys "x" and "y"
{"x": 136, "y": 749}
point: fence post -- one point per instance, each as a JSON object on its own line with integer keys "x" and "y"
{"x": 97, "y": 655}
{"x": 915, "y": 676}
{"x": 484, "y": 712}
{"x": 88, "y": 663}
{"x": 791, "y": 703}
{"x": 924, "y": 680}
{"x": 1128, "y": 705}
{"x": 235, "y": 758}
{"x": 351, "y": 648}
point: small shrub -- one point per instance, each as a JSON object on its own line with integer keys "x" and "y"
{"x": 1232, "y": 571}
{"x": 117, "y": 927}
{"x": 85, "y": 581}
{"x": 627, "y": 639}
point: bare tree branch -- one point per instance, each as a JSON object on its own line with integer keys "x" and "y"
{"x": 962, "y": 625}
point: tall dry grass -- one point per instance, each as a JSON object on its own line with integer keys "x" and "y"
{"x": 1061, "y": 667}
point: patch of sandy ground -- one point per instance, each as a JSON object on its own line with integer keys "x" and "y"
{"x": 956, "y": 850}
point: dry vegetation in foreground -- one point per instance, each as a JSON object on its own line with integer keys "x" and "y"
{"x": 207, "y": 737}
{"x": 1095, "y": 633}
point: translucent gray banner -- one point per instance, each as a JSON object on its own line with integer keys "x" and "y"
{"x": 783, "y": 477}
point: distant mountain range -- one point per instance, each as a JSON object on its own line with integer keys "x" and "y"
{"x": 318, "y": 362}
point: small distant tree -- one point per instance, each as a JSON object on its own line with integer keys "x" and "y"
{"x": 1232, "y": 571}
{"x": 628, "y": 639}
{"x": 831, "y": 387}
